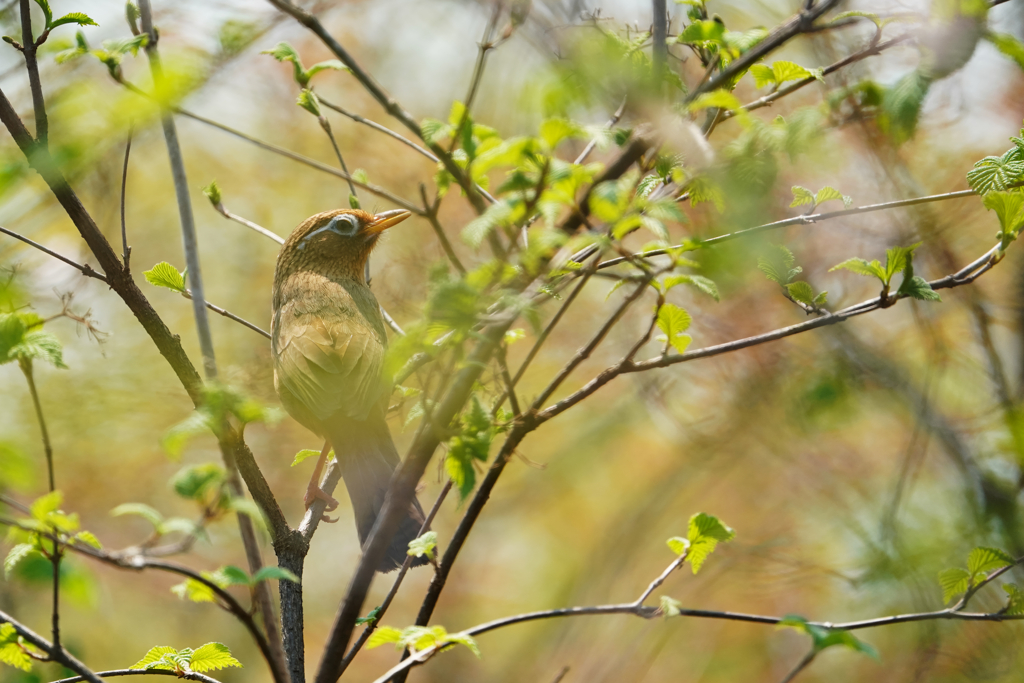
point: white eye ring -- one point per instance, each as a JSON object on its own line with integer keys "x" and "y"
{"x": 352, "y": 221}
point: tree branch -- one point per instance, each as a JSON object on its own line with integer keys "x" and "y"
{"x": 114, "y": 673}
{"x": 57, "y": 654}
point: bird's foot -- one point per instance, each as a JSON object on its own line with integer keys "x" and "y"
{"x": 313, "y": 493}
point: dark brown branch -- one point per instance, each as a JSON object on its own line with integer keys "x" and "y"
{"x": 29, "y": 48}
{"x": 114, "y": 673}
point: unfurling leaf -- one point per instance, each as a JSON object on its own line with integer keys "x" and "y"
{"x": 983, "y": 560}
{"x": 954, "y": 581}
{"x": 274, "y": 574}
{"x": 11, "y": 651}
{"x": 674, "y": 322}
{"x": 704, "y": 534}
{"x": 423, "y": 545}
{"x": 165, "y": 275}
{"x": 670, "y": 607}
{"x": 305, "y": 454}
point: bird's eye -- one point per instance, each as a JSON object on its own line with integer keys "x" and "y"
{"x": 345, "y": 225}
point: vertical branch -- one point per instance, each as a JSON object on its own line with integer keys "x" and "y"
{"x": 126, "y": 251}
{"x": 262, "y": 596}
{"x": 29, "y": 50}
{"x": 659, "y": 49}
{"x": 26, "y": 368}
{"x": 188, "y": 228}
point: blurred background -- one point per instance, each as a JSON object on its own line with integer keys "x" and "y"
{"x": 854, "y": 462}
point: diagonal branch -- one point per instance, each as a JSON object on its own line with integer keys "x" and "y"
{"x": 58, "y": 654}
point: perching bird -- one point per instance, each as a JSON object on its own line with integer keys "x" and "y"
{"x": 328, "y": 347}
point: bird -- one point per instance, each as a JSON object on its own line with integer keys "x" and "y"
{"x": 328, "y": 343}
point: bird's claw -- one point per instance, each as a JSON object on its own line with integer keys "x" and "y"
{"x": 328, "y": 520}
{"x": 314, "y": 492}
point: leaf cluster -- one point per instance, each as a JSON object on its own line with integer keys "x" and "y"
{"x": 283, "y": 52}
{"x": 897, "y": 260}
{"x": 418, "y": 638}
{"x": 702, "y": 537}
{"x": 23, "y": 340}
{"x": 957, "y": 580}
{"x": 209, "y": 657}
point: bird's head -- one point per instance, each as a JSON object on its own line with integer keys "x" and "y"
{"x": 338, "y": 241}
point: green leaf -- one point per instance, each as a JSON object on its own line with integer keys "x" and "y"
{"x": 274, "y": 573}
{"x": 897, "y": 259}
{"x": 721, "y": 99}
{"x": 954, "y": 581}
{"x": 212, "y": 192}
{"x": 464, "y": 639}
{"x": 790, "y": 71}
{"x": 917, "y": 287}
{"x": 423, "y": 545}
{"x": 230, "y": 576}
{"x": 678, "y": 545}
{"x": 148, "y": 513}
{"x": 801, "y": 291}
{"x": 827, "y": 193}
{"x": 11, "y": 652}
{"x": 702, "y": 31}
{"x": 164, "y": 274}
{"x": 705, "y": 532}
{"x": 983, "y": 560}
{"x": 554, "y": 131}
{"x": 211, "y": 657}
{"x": 670, "y": 607}
{"x": 305, "y": 454}
{"x": 330, "y": 64}
{"x": 1015, "y": 605}
{"x": 802, "y": 196}
{"x": 822, "y": 638}
{"x": 283, "y": 52}
{"x": 47, "y": 12}
{"x": 1009, "y": 208}
{"x": 862, "y": 267}
{"x": 674, "y": 321}
{"x": 698, "y": 282}
{"x": 373, "y": 615}
{"x": 39, "y": 345}
{"x": 308, "y": 100}
{"x": 195, "y": 481}
{"x": 763, "y": 75}
{"x": 1009, "y": 46}
{"x": 74, "y": 18}
{"x": 901, "y": 105}
{"x": 383, "y": 634}
{"x": 779, "y": 266}
{"x": 194, "y": 591}
{"x": 477, "y": 230}
{"x": 45, "y": 505}
{"x": 16, "y": 555}
{"x": 154, "y": 655}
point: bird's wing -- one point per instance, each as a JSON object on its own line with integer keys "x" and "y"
{"x": 329, "y": 357}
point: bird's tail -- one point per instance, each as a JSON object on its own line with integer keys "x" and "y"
{"x": 367, "y": 458}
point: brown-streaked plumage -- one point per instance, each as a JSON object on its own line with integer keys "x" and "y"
{"x": 328, "y": 346}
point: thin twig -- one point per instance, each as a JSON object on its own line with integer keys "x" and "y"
{"x": 370, "y": 627}
{"x": 188, "y": 228}
{"x": 187, "y": 293}
{"x": 83, "y": 269}
{"x": 430, "y": 212}
{"x": 126, "y": 251}
{"x": 964, "y": 276}
{"x": 798, "y": 220}
{"x": 219, "y": 206}
{"x": 58, "y": 654}
{"x": 801, "y": 665}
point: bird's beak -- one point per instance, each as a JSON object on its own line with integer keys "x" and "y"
{"x": 383, "y": 221}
